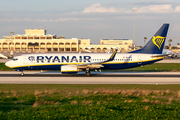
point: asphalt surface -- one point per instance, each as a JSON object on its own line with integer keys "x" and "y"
{"x": 9, "y": 77}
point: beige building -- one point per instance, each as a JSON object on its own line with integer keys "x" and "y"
{"x": 36, "y": 41}
{"x": 116, "y": 42}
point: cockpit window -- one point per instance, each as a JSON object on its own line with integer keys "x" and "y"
{"x": 15, "y": 59}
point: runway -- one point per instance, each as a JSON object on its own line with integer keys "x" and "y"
{"x": 36, "y": 77}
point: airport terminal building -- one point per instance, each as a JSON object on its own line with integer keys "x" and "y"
{"x": 37, "y": 41}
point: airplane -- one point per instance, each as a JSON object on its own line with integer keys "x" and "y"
{"x": 3, "y": 56}
{"x": 72, "y": 63}
{"x": 171, "y": 54}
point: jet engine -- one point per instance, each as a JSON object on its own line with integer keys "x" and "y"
{"x": 69, "y": 69}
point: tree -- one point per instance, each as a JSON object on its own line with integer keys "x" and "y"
{"x": 178, "y": 45}
{"x": 145, "y": 38}
{"x": 170, "y": 40}
{"x": 166, "y": 47}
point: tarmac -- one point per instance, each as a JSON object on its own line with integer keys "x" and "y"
{"x": 36, "y": 77}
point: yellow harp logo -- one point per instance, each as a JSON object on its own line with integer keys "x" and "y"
{"x": 158, "y": 41}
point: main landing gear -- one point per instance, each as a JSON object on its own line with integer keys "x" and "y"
{"x": 22, "y": 73}
{"x": 88, "y": 73}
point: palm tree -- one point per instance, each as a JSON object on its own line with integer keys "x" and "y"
{"x": 145, "y": 38}
{"x": 170, "y": 40}
{"x": 178, "y": 45}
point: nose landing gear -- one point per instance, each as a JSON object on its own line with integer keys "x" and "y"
{"x": 88, "y": 73}
{"x": 22, "y": 73}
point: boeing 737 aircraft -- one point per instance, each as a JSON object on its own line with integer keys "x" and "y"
{"x": 75, "y": 62}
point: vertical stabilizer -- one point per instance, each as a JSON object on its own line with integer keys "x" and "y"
{"x": 156, "y": 43}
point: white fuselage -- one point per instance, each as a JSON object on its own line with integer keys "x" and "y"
{"x": 49, "y": 61}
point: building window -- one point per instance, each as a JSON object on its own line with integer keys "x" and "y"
{"x": 42, "y": 38}
{"x": 17, "y": 44}
{"x": 55, "y": 49}
{"x": 49, "y": 49}
{"x": 61, "y": 49}
{"x": 24, "y": 37}
{"x": 17, "y": 37}
{"x": 30, "y": 37}
{"x": 54, "y": 43}
{"x": 36, "y": 37}
{"x": 73, "y": 49}
{"x": 49, "y": 37}
{"x": 67, "y": 49}
{"x": 5, "y": 43}
{"x": 73, "y": 43}
{"x": 61, "y": 43}
{"x": 67, "y": 43}
{"x": 98, "y": 50}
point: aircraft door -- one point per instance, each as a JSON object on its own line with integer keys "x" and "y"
{"x": 139, "y": 59}
{"x": 25, "y": 60}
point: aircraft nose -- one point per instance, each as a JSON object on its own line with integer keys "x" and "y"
{"x": 8, "y": 64}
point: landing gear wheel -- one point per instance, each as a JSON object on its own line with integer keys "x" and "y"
{"x": 88, "y": 73}
{"x": 22, "y": 74}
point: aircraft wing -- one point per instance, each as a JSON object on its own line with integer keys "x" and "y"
{"x": 97, "y": 64}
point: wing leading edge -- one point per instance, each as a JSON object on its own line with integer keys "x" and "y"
{"x": 93, "y": 65}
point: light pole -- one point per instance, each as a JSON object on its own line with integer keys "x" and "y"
{"x": 11, "y": 52}
{"x": 145, "y": 40}
{"x": 134, "y": 26}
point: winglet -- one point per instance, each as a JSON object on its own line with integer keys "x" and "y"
{"x": 112, "y": 56}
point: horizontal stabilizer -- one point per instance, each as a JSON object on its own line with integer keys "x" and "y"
{"x": 162, "y": 55}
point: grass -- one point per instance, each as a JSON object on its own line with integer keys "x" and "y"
{"x": 30, "y": 88}
{"x": 3, "y": 67}
{"x": 89, "y": 102}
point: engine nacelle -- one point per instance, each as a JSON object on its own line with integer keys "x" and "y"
{"x": 69, "y": 69}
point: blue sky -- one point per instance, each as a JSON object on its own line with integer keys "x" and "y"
{"x": 95, "y": 19}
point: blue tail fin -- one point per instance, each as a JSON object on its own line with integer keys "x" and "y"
{"x": 156, "y": 43}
